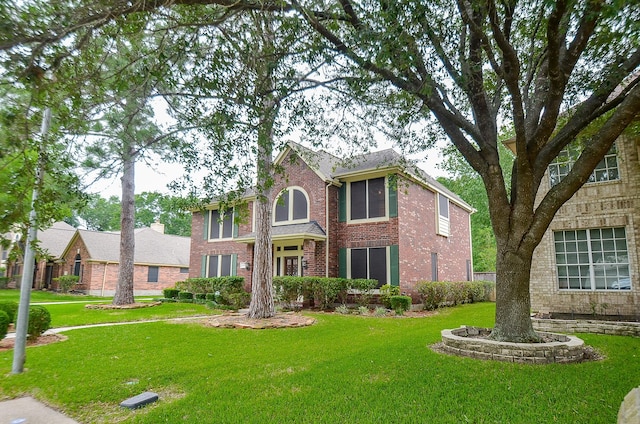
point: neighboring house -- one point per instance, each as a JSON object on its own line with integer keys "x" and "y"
{"x": 51, "y": 244}
{"x": 375, "y": 217}
{"x": 160, "y": 260}
{"x": 588, "y": 261}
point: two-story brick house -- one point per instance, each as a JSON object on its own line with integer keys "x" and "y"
{"x": 588, "y": 261}
{"x": 373, "y": 217}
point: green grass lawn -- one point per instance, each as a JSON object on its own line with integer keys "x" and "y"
{"x": 343, "y": 369}
{"x": 47, "y": 296}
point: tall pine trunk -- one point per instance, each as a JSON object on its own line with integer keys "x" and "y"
{"x": 124, "y": 289}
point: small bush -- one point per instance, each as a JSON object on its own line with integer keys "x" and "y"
{"x": 185, "y": 297}
{"x": 400, "y": 304}
{"x": 363, "y": 290}
{"x": 380, "y": 312}
{"x": 11, "y": 308}
{"x": 342, "y": 309}
{"x": 210, "y": 297}
{"x": 432, "y": 293}
{"x": 167, "y": 300}
{"x": 4, "y": 282}
{"x": 4, "y": 324}
{"x": 39, "y": 321}
{"x": 363, "y": 310}
{"x": 170, "y": 293}
{"x": 66, "y": 282}
{"x": 386, "y": 291}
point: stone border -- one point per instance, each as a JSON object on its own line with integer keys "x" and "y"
{"x": 589, "y": 326}
{"x": 470, "y": 342}
{"x": 239, "y": 320}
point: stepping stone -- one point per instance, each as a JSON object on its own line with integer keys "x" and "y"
{"x": 139, "y": 400}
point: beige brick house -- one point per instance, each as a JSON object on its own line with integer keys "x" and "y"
{"x": 375, "y": 217}
{"x": 588, "y": 261}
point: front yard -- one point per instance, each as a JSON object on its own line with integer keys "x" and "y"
{"x": 342, "y": 369}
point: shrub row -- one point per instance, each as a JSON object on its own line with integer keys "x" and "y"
{"x": 323, "y": 291}
{"x": 435, "y": 294}
{"x": 39, "y": 319}
{"x": 223, "y": 291}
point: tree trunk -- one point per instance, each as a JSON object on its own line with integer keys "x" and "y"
{"x": 262, "y": 304}
{"x": 513, "y": 301}
{"x": 124, "y": 289}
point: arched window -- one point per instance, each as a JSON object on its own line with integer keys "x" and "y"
{"x": 76, "y": 265}
{"x": 291, "y": 206}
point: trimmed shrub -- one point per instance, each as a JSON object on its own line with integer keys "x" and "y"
{"x": 400, "y": 304}
{"x": 170, "y": 293}
{"x": 432, "y": 293}
{"x": 4, "y": 324}
{"x": 287, "y": 290}
{"x": 185, "y": 297}
{"x": 435, "y": 294}
{"x": 66, "y": 282}
{"x": 4, "y": 282}
{"x": 363, "y": 290}
{"x": 167, "y": 300}
{"x": 11, "y": 309}
{"x": 239, "y": 300}
{"x": 386, "y": 291}
{"x": 489, "y": 290}
{"x": 210, "y": 297}
{"x": 39, "y": 321}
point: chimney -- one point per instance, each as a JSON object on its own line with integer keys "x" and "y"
{"x": 156, "y": 226}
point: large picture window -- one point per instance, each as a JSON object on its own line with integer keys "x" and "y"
{"x": 593, "y": 259}
{"x": 606, "y": 170}
{"x": 368, "y": 199}
{"x": 370, "y": 263}
{"x": 220, "y": 224}
{"x": 292, "y": 206}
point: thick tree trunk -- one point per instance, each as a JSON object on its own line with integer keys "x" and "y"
{"x": 124, "y": 289}
{"x": 262, "y": 304}
{"x": 513, "y": 301}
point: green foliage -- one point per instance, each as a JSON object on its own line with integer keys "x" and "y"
{"x": 400, "y": 304}
{"x": 435, "y": 294}
{"x": 11, "y": 309}
{"x": 4, "y": 324}
{"x": 363, "y": 290}
{"x": 363, "y": 310}
{"x": 324, "y": 291}
{"x": 343, "y": 309}
{"x": 380, "y": 312}
{"x": 386, "y": 291}
{"x": 287, "y": 290}
{"x": 238, "y": 300}
{"x": 4, "y": 281}
{"x": 185, "y": 296}
{"x": 227, "y": 290}
{"x": 39, "y": 321}
{"x": 170, "y": 293}
{"x": 66, "y": 282}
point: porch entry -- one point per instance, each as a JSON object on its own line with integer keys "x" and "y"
{"x": 287, "y": 257}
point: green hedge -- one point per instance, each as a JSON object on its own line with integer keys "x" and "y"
{"x": 221, "y": 290}
{"x": 66, "y": 282}
{"x": 11, "y": 308}
{"x": 171, "y": 293}
{"x": 435, "y": 294}
{"x": 324, "y": 292}
{"x": 400, "y": 304}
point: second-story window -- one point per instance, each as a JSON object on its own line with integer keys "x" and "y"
{"x": 443, "y": 215}
{"x": 220, "y": 224}
{"x": 291, "y": 206}
{"x": 368, "y": 199}
{"x": 606, "y": 170}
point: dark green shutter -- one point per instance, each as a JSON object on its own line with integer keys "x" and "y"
{"x": 342, "y": 203}
{"x": 203, "y": 267}
{"x": 234, "y": 262}
{"x": 205, "y": 224}
{"x": 393, "y": 200}
{"x": 342, "y": 263}
{"x": 394, "y": 258}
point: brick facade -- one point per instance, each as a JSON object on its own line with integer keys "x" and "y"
{"x": 595, "y": 205}
{"x": 413, "y": 231}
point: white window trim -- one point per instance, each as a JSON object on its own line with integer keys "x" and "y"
{"x": 571, "y": 161}
{"x": 290, "y": 190}
{"x": 368, "y": 220}
{"x": 443, "y": 223}
{"x": 219, "y": 266}
{"x": 387, "y": 258}
{"x": 220, "y": 224}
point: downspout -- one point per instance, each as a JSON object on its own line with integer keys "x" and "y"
{"x": 104, "y": 278}
{"x": 326, "y": 226}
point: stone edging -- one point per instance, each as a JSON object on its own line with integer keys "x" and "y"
{"x": 461, "y": 342}
{"x": 588, "y": 326}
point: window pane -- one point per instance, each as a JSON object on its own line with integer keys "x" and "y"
{"x": 299, "y": 205}
{"x": 358, "y": 200}
{"x": 282, "y": 207}
{"x": 153, "y": 274}
{"x": 227, "y": 225}
{"x": 378, "y": 265}
{"x": 214, "y": 225}
{"x": 225, "y": 266}
{"x": 376, "y": 197}
{"x": 358, "y": 263}
{"x": 443, "y": 206}
{"x": 213, "y": 266}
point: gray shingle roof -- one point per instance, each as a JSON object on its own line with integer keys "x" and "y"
{"x": 55, "y": 239}
{"x": 151, "y": 247}
{"x": 308, "y": 229}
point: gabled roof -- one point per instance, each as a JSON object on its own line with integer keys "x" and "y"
{"x": 151, "y": 247}
{"x": 55, "y": 239}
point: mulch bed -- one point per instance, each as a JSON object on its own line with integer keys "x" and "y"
{"x": 129, "y": 306}
{"x": 8, "y": 344}
{"x": 237, "y": 320}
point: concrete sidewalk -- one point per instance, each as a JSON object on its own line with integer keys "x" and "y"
{"x": 27, "y": 410}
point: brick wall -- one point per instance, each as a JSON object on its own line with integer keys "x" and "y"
{"x": 595, "y": 205}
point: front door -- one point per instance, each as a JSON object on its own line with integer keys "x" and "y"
{"x": 291, "y": 266}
